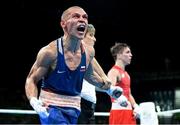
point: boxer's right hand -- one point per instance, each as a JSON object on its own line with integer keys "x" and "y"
{"x": 38, "y": 107}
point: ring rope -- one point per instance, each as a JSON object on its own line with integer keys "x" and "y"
{"x": 18, "y": 111}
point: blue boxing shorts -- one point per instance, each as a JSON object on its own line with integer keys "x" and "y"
{"x": 61, "y": 116}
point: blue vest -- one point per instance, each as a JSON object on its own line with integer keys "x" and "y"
{"x": 63, "y": 80}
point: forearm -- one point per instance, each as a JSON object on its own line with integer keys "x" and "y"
{"x": 31, "y": 89}
{"x": 132, "y": 100}
{"x": 98, "y": 68}
{"x": 100, "y": 72}
{"x": 100, "y": 89}
{"x": 95, "y": 79}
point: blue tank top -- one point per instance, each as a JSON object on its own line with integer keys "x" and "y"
{"x": 63, "y": 80}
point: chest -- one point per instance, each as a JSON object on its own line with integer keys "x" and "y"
{"x": 72, "y": 60}
{"x": 125, "y": 80}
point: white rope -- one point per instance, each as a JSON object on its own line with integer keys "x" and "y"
{"x": 16, "y": 111}
{"x": 170, "y": 112}
{"x": 101, "y": 113}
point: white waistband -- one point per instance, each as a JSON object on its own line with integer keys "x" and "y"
{"x": 117, "y": 106}
{"x": 50, "y": 98}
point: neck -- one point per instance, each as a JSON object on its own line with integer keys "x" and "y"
{"x": 120, "y": 64}
{"x": 71, "y": 43}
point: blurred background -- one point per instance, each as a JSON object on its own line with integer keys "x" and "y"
{"x": 151, "y": 28}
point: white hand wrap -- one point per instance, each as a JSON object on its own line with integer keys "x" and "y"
{"x": 122, "y": 100}
{"x": 114, "y": 91}
{"x": 38, "y": 107}
{"x": 137, "y": 110}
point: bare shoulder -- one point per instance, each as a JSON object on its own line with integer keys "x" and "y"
{"x": 113, "y": 72}
{"x": 114, "y": 75}
{"x": 88, "y": 48}
{"x": 48, "y": 53}
{"x": 90, "y": 52}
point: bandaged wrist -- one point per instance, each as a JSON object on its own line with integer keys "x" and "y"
{"x": 38, "y": 107}
{"x": 34, "y": 101}
{"x": 110, "y": 90}
{"x": 135, "y": 105}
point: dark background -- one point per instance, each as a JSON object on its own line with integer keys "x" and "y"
{"x": 151, "y": 28}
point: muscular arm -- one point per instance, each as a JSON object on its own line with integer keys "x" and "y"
{"x": 97, "y": 68}
{"x": 100, "y": 72}
{"x": 37, "y": 72}
{"x": 95, "y": 74}
{"x": 92, "y": 77}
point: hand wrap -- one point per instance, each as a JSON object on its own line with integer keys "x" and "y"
{"x": 38, "y": 107}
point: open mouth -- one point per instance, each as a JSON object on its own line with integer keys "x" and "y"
{"x": 81, "y": 28}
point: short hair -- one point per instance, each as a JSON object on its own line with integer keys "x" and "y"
{"x": 90, "y": 28}
{"x": 66, "y": 13}
{"x": 118, "y": 48}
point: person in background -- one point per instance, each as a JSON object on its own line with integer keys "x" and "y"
{"x": 88, "y": 93}
{"x": 122, "y": 114}
{"x": 61, "y": 66}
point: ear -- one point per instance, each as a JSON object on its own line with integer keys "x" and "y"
{"x": 118, "y": 55}
{"x": 62, "y": 23}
